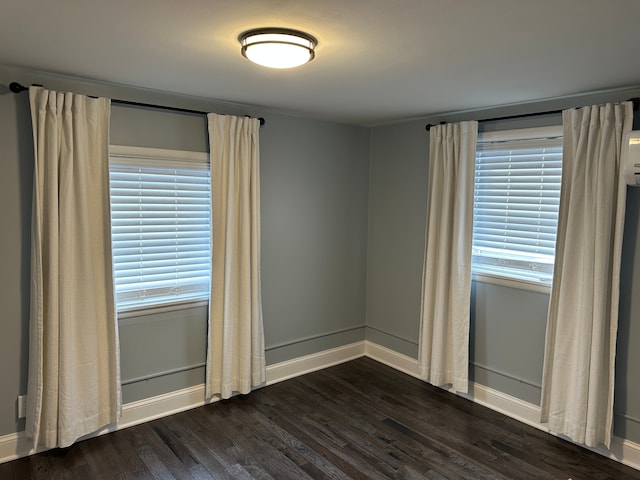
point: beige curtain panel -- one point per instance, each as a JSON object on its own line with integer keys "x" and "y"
{"x": 74, "y": 385}
{"x": 446, "y": 297}
{"x": 580, "y": 349}
{"x": 235, "y": 348}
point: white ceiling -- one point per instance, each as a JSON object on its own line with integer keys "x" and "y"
{"x": 377, "y": 61}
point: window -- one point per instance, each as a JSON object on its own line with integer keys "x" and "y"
{"x": 516, "y": 200}
{"x": 160, "y": 220}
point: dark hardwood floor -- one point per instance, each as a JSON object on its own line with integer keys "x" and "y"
{"x": 359, "y": 420}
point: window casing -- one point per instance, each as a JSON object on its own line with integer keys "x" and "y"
{"x": 516, "y": 200}
{"x": 161, "y": 226}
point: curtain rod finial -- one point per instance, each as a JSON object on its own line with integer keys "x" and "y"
{"x": 15, "y": 87}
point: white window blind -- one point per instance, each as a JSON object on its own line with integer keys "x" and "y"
{"x": 516, "y": 200}
{"x": 160, "y": 220}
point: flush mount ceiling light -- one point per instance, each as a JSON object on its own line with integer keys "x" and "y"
{"x": 277, "y": 47}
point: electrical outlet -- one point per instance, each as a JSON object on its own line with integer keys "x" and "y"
{"x": 22, "y": 406}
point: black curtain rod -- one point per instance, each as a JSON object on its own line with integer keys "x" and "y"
{"x": 15, "y": 87}
{"x": 636, "y": 103}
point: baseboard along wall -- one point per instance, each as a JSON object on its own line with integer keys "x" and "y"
{"x": 16, "y": 445}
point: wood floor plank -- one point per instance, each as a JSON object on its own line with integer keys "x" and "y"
{"x": 358, "y": 420}
{"x": 244, "y": 452}
{"x": 436, "y": 440}
{"x": 438, "y": 456}
{"x": 194, "y": 434}
{"x": 216, "y": 445}
{"x": 347, "y": 459}
{"x": 158, "y": 459}
{"x": 20, "y": 469}
{"x": 354, "y": 428}
{"x": 45, "y": 467}
{"x": 5, "y": 471}
{"x": 132, "y": 465}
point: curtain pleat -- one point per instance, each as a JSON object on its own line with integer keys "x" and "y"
{"x": 74, "y": 385}
{"x": 580, "y": 346}
{"x": 446, "y": 296}
{"x": 235, "y": 345}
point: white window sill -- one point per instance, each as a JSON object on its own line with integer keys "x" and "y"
{"x": 512, "y": 283}
{"x": 143, "y": 310}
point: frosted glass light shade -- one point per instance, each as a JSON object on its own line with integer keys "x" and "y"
{"x": 278, "y": 48}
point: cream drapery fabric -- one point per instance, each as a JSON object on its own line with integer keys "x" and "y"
{"x": 446, "y": 282}
{"x": 580, "y": 347}
{"x": 74, "y": 384}
{"x": 235, "y": 347}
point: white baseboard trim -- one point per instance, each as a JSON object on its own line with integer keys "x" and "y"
{"x": 17, "y": 445}
{"x": 316, "y": 361}
{"x": 392, "y": 359}
{"x": 624, "y": 451}
{"x": 513, "y": 407}
{"x": 148, "y": 409}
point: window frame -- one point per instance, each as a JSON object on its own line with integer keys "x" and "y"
{"x": 156, "y": 158}
{"x": 513, "y": 135}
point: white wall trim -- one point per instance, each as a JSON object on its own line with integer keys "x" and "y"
{"x": 148, "y": 409}
{"x": 624, "y": 451}
{"x": 392, "y": 359}
{"x": 316, "y": 361}
{"x": 17, "y": 445}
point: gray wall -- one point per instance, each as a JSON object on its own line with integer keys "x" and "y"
{"x": 507, "y": 324}
{"x": 397, "y": 219}
{"x": 314, "y": 229}
{"x": 314, "y": 181}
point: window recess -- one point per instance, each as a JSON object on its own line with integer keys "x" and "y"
{"x": 516, "y": 200}
{"x": 160, "y": 221}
